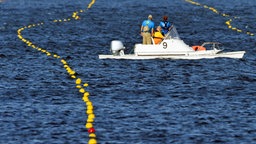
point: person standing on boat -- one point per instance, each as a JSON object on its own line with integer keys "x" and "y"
{"x": 147, "y": 30}
{"x": 165, "y": 25}
{"x": 158, "y": 37}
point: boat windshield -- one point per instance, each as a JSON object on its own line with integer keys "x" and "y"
{"x": 172, "y": 34}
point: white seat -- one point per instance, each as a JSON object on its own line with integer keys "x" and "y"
{"x": 153, "y": 42}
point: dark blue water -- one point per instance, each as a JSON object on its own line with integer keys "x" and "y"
{"x": 135, "y": 101}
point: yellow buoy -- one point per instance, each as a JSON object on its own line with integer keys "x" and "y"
{"x": 89, "y": 103}
{"x": 90, "y": 120}
{"x": 92, "y": 135}
{"x": 86, "y": 94}
{"x": 92, "y": 141}
{"x": 81, "y": 90}
{"x": 86, "y": 85}
{"x": 90, "y": 107}
{"x": 88, "y": 125}
{"x": 89, "y": 111}
{"x": 78, "y": 86}
{"x": 78, "y": 81}
{"x": 85, "y": 99}
{"x": 91, "y": 116}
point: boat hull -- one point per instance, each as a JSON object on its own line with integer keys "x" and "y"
{"x": 236, "y": 55}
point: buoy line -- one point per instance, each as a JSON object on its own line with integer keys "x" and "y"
{"x": 228, "y": 22}
{"x": 78, "y": 81}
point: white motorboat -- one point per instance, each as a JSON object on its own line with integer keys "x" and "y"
{"x": 172, "y": 47}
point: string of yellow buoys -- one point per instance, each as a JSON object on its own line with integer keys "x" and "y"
{"x": 228, "y": 22}
{"x": 78, "y": 81}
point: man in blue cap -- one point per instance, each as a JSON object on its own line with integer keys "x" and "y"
{"x": 147, "y": 30}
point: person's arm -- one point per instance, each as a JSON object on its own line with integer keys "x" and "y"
{"x": 141, "y": 30}
{"x": 152, "y": 30}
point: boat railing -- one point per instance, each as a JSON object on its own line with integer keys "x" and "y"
{"x": 212, "y": 45}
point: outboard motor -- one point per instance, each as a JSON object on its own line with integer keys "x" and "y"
{"x": 117, "y": 48}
